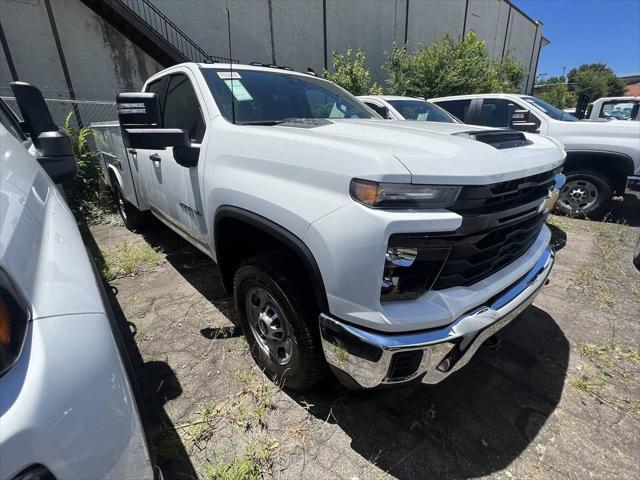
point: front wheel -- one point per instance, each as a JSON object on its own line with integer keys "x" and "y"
{"x": 280, "y": 321}
{"x": 586, "y": 194}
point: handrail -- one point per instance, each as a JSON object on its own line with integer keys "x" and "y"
{"x": 169, "y": 31}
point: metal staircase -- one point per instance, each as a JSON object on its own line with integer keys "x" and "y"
{"x": 151, "y": 30}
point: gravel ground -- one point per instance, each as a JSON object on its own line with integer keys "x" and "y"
{"x": 559, "y": 399}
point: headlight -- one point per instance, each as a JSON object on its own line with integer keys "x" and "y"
{"x": 402, "y": 195}
{"x": 13, "y": 324}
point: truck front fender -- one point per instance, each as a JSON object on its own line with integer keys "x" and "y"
{"x": 231, "y": 221}
{"x": 616, "y": 166}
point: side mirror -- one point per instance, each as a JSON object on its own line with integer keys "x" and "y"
{"x": 141, "y": 123}
{"x": 53, "y": 147}
{"x": 384, "y": 112}
{"x": 521, "y": 121}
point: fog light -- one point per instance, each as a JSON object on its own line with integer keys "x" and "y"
{"x": 409, "y": 271}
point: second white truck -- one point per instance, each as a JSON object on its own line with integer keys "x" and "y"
{"x": 387, "y": 251}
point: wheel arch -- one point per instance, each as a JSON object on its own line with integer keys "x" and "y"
{"x": 266, "y": 235}
{"x": 113, "y": 174}
{"x": 617, "y": 166}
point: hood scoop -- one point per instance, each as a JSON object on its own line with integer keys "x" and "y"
{"x": 498, "y": 138}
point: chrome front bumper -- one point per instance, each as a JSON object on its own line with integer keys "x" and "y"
{"x": 374, "y": 358}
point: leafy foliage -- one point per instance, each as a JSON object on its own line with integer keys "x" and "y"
{"x": 555, "y": 91}
{"x": 83, "y": 191}
{"x": 596, "y": 80}
{"x": 451, "y": 67}
{"x": 351, "y": 73}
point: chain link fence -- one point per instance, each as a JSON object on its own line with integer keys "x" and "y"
{"x": 85, "y": 112}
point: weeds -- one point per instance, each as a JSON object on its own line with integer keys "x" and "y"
{"x": 203, "y": 429}
{"x": 340, "y": 354}
{"x": 245, "y": 376}
{"x": 248, "y": 466}
{"x": 129, "y": 259}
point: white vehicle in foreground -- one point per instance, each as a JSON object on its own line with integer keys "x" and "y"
{"x": 602, "y": 157}
{"x": 614, "y": 108}
{"x": 67, "y": 409}
{"x": 388, "y": 250}
{"x": 407, "y": 108}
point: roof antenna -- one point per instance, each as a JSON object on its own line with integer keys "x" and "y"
{"x": 233, "y": 108}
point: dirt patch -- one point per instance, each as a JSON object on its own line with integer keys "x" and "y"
{"x": 560, "y": 398}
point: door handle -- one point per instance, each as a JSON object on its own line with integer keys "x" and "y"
{"x": 155, "y": 157}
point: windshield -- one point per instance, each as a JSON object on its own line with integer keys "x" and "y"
{"x": 421, "y": 110}
{"x": 271, "y": 97}
{"x": 550, "y": 110}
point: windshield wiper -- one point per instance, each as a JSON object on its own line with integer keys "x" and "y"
{"x": 263, "y": 122}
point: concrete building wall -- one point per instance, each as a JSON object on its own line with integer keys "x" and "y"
{"x": 370, "y": 26}
{"x": 205, "y": 21}
{"x": 488, "y": 18}
{"x": 100, "y": 60}
{"x": 30, "y": 39}
{"x": 429, "y": 21}
{"x": 522, "y": 39}
{"x": 299, "y": 33}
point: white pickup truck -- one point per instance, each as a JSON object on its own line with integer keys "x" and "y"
{"x": 602, "y": 157}
{"x": 388, "y": 250}
{"x": 614, "y": 108}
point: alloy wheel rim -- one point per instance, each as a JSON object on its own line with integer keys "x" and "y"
{"x": 269, "y": 325}
{"x": 578, "y": 195}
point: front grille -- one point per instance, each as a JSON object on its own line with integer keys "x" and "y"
{"x": 504, "y": 195}
{"x": 500, "y": 223}
{"x": 476, "y": 257}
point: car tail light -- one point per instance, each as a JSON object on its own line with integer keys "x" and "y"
{"x": 14, "y": 317}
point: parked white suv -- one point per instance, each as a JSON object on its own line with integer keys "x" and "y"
{"x": 388, "y": 250}
{"x": 602, "y": 157}
{"x": 67, "y": 407}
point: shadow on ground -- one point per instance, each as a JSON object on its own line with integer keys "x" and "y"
{"x": 154, "y": 384}
{"x": 626, "y": 209}
{"x": 475, "y": 423}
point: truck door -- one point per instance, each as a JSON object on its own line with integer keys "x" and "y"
{"x": 174, "y": 190}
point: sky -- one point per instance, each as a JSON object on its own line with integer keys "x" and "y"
{"x": 587, "y": 31}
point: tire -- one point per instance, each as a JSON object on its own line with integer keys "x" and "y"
{"x": 279, "y": 317}
{"x": 586, "y": 194}
{"x": 132, "y": 217}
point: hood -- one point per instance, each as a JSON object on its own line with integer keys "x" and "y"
{"x": 433, "y": 153}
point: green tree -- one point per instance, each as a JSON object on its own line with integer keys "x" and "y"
{"x": 451, "y": 67}
{"x": 351, "y": 73}
{"x": 555, "y": 91}
{"x": 596, "y": 80}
